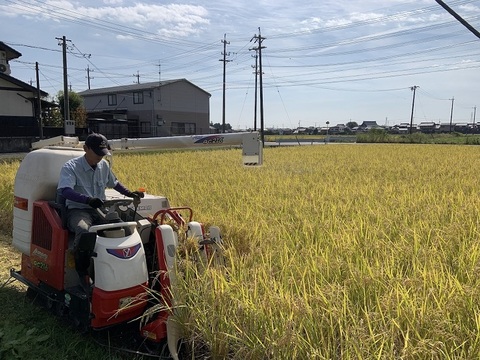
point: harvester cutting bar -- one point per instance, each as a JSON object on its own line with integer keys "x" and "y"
{"x": 176, "y": 142}
{"x": 252, "y": 146}
{"x": 249, "y": 141}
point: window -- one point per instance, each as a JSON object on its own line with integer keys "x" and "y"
{"x": 179, "y": 128}
{"x": 138, "y": 97}
{"x": 112, "y": 99}
{"x": 190, "y": 128}
{"x": 145, "y": 127}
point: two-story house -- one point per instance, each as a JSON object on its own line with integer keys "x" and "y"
{"x": 18, "y": 100}
{"x": 162, "y": 108}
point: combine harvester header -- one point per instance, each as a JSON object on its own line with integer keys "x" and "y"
{"x": 250, "y": 142}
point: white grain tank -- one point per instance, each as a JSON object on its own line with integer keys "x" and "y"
{"x": 36, "y": 179}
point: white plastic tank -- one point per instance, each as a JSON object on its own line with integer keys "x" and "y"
{"x": 36, "y": 179}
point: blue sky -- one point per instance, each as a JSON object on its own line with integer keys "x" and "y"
{"x": 334, "y": 61}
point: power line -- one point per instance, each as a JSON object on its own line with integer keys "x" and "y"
{"x": 379, "y": 67}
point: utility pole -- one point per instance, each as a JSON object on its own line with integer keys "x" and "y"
{"x": 258, "y": 38}
{"x": 451, "y": 113}
{"x": 69, "y": 125}
{"x": 88, "y": 76}
{"x": 459, "y": 18}
{"x": 414, "y": 89}
{"x": 39, "y": 103}
{"x": 137, "y": 75}
{"x": 255, "y": 102}
{"x": 224, "y": 60}
{"x": 159, "y": 83}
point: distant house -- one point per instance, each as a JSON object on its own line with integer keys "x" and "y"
{"x": 339, "y": 129}
{"x": 427, "y": 127}
{"x": 464, "y": 128}
{"x": 368, "y": 125}
{"x": 174, "y": 107}
{"x": 403, "y": 128}
{"x": 300, "y": 130}
{"x": 18, "y": 100}
{"x": 445, "y": 128}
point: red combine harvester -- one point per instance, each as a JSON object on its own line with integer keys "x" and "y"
{"x": 130, "y": 256}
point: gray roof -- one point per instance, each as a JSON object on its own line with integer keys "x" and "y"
{"x": 369, "y": 123}
{"x": 134, "y": 87}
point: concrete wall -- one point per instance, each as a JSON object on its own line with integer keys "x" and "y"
{"x": 14, "y": 144}
{"x": 18, "y": 144}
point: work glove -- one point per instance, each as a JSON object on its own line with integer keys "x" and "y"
{"x": 95, "y": 202}
{"x": 136, "y": 194}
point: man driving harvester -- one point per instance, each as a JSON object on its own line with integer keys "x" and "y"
{"x": 82, "y": 183}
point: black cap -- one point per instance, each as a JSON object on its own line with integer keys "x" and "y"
{"x": 98, "y": 143}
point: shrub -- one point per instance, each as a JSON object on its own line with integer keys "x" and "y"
{"x": 373, "y": 136}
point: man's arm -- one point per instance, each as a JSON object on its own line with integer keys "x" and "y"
{"x": 70, "y": 194}
{"x": 124, "y": 191}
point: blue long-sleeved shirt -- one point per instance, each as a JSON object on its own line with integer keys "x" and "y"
{"x": 86, "y": 182}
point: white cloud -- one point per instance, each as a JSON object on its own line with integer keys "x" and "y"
{"x": 170, "y": 20}
{"x": 470, "y": 7}
{"x": 124, "y": 37}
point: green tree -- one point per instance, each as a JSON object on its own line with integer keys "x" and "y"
{"x": 53, "y": 117}
{"x": 77, "y": 110}
{"x": 51, "y": 114}
{"x": 218, "y": 126}
{"x": 351, "y": 124}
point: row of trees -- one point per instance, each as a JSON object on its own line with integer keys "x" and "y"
{"x": 218, "y": 127}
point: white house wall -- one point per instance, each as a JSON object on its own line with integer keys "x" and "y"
{"x": 11, "y": 101}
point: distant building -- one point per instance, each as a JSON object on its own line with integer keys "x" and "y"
{"x": 403, "y": 128}
{"x": 18, "y": 100}
{"x": 445, "y": 128}
{"x": 301, "y": 130}
{"x": 339, "y": 129}
{"x": 427, "y": 127}
{"x": 174, "y": 107}
{"x": 465, "y": 128}
{"x": 368, "y": 125}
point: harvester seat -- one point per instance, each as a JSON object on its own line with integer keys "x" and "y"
{"x": 59, "y": 204}
{"x": 84, "y": 251}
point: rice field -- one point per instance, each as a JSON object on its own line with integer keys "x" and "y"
{"x": 334, "y": 252}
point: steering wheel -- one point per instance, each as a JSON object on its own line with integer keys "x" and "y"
{"x": 111, "y": 208}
